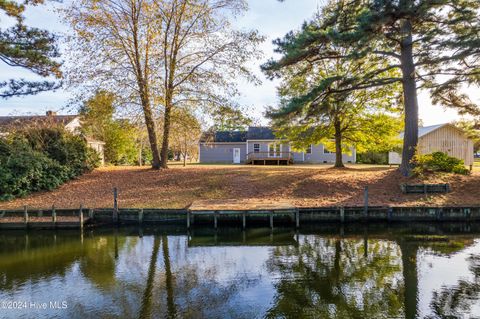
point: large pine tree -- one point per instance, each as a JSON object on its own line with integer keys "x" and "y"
{"x": 27, "y": 47}
{"x": 435, "y": 44}
{"x": 361, "y": 118}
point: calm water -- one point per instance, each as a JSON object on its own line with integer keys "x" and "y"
{"x": 330, "y": 272}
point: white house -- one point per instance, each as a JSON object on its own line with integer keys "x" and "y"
{"x": 445, "y": 138}
{"x": 71, "y": 123}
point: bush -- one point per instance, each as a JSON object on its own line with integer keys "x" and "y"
{"x": 438, "y": 162}
{"x": 41, "y": 159}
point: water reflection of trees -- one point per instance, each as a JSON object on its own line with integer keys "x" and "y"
{"x": 322, "y": 276}
{"x": 173, "y": 290}
{"x": 337, "y": 278}
{"x": 457, "y": 301}
{"x": 32, "y": 257}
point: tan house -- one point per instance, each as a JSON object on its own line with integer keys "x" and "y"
{"x": 71, "y": 123}
{"x": 445, "y": 138}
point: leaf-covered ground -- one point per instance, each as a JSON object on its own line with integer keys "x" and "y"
{"x": 304, "y": 186}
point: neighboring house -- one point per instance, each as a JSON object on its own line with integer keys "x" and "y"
{"x": 445, "y": 138}
{"x": 71, "y": 123}
{"x": 258, "y": 145}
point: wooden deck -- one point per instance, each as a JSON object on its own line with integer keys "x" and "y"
{"x": 270, "y": 161}
{"x": 266, "y": 158}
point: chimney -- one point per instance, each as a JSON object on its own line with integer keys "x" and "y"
{"x": 51, "y": 113}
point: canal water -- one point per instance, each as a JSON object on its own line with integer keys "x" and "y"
{"x": 356, "y": 271}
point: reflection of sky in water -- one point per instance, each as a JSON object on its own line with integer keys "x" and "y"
{"x": 212, "y": 281}
{"x": 436, "y": 272}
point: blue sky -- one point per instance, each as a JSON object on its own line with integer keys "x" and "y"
{"x": 272, "y": 18}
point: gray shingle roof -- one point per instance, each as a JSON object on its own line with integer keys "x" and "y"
{"x": 224, "y": 137}
{"x": 253, "y": 133}
{"x": 7, "y": 122}
{"x": 260, "y": 133}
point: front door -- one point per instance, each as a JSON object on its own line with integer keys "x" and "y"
{"x": 236, "y": 156}
{"x": 274, "y": 150}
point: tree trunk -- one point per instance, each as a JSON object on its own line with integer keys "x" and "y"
{"x": 146, "y": 308}
{"x": 140, "y": 156}
{"x": 185, "y": 152}
{"x": 171, "y": 307}
{"x": 142, "y": 82}
{"x": 166, "y": 133}
{"x": 410, "y": 138}
{"x": 152, "y": 134}
{"x": 338, "y": 144}
{"x": 410, "y": 279}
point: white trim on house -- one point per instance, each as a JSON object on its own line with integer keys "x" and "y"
{"x": 327, "y": 151}
{"x": 309, "y": 148}
{"x": 275, "y": 153}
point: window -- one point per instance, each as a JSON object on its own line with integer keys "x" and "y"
{"x": 327, "y": 151}
{"x": 256, "y": 148}
{"x": 309, "y": 149}
{"x": 274, "y": 150}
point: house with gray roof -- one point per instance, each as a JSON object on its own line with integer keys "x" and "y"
{"x": 259, "y": 145}
{"x": 71, "y": 123}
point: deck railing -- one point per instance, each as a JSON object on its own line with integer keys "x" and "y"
{"x": 253, "y": 156}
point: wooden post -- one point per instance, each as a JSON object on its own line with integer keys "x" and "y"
{"x": 297, "y": 218}
{"x": 342, "y": 214}
{"x": 54, "y": 216}
{"x": 271, "y": 219}
{"x": 80, "y": 216}
{"x": 25, "y": 216}
{"x": 90, "y": 213}
{"x": 115, "y": 205}
{"x": 140, "y": 216}
{"x": 188, "y": 219}
{"x": 389, "y": 213}
{"x": 365, "y": 210}
{"x": 244, "y": 220}
{"x": 215, "y": 220}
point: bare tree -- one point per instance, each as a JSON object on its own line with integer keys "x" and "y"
{"x": 160, "y": 54}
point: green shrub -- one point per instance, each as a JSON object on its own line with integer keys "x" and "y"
{"x": 41, "y": 159}
{"x": 438, "y": 162}
{"x": 67, "y": 149}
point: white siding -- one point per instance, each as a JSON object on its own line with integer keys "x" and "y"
{"x": 447, "y": 139}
